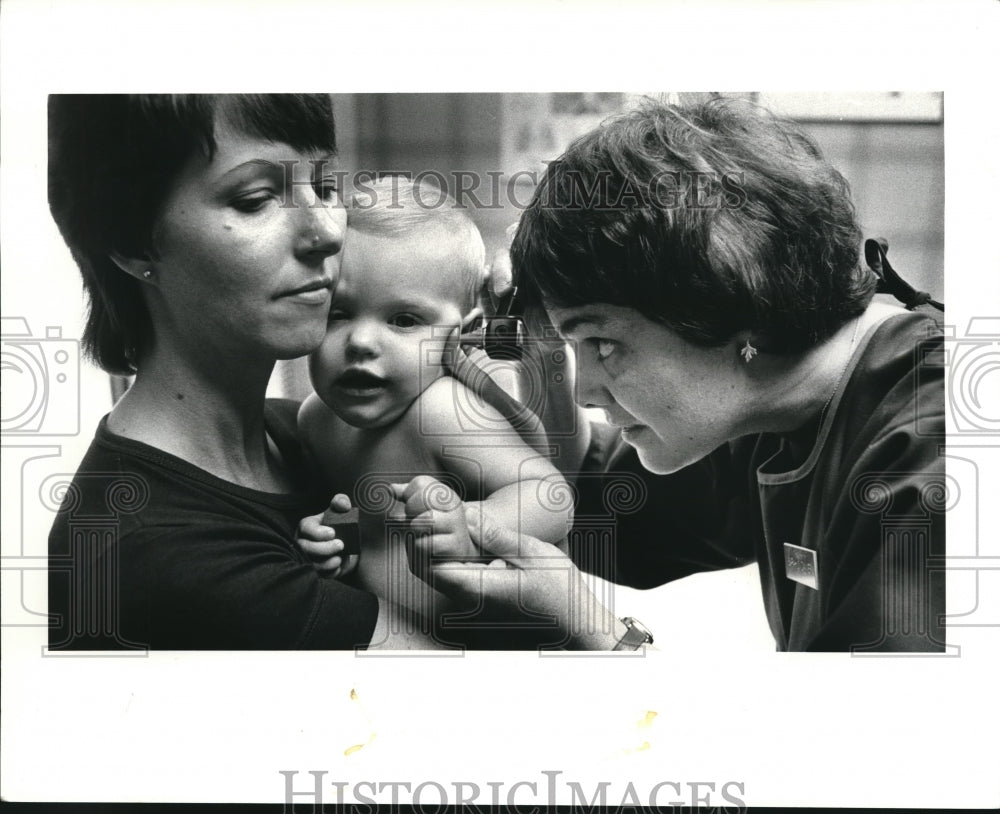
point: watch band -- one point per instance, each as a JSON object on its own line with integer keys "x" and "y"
{"x": 636, "y": 635}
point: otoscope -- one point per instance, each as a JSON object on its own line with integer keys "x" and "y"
{"x": 501, "y": 336}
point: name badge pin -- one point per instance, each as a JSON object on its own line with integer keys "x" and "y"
{"x": 801, "y": 566}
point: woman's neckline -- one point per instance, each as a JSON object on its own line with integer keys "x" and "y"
{"x": 204, "y": 444}
{"x": 185, "y": 466}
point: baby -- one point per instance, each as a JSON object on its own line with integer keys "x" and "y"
{"x": 386, "y": 411}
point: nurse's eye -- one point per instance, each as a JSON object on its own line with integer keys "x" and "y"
{"x": 605, "y": 347}
{"x": 337, "y": 315}
{"x": 406, "y": 321}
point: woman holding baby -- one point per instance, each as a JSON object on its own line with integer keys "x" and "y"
{"x": 209, "y": 231}
{"x": 736, "y": 347}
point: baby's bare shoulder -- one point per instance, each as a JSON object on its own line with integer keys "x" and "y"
{"x": 440, "y": 408}
{"x": 315, "y": 419}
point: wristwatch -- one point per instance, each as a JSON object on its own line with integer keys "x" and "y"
{"x": 636, "y": 635}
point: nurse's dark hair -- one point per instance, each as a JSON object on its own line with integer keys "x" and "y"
{"x": 112, "y": 162}
{"x": 708, "y": 219}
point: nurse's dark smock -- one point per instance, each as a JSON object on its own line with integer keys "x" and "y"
{"x": 860, "y": 505}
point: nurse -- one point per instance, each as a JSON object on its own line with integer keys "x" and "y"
{"x": 704, "y": 262}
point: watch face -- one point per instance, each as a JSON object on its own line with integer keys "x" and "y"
{"x": 635, "y": 624}
{"x": 637, "y": 634}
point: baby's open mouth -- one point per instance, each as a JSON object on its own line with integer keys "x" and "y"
{"x": 360, "y": 381}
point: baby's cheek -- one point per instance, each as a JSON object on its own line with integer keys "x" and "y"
{"x": 324, "y": 364}
{"x": 432, "y": 347}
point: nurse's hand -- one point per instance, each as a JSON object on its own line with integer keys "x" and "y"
{"x": 522, "y": 579}
{"x": 500, "y": 276}
{"x": 548, "y": 372}
{"x": 436, "y": 513}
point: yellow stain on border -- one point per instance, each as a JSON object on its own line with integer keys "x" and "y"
{"x": 645, "y": 722}
{"x": 350, "y": 750}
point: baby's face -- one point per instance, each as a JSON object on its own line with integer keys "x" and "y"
{"x": 382, "y": 347}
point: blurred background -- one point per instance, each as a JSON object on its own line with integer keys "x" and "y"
{"x": 889, "y": 146}
{"x": 487, "y": 149}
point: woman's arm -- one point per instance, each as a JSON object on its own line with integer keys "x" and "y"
{"x": 192, "y": 563}
{"x": 211, "y": 583}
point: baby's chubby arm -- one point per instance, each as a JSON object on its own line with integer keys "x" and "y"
{"x": 519, "y": 488}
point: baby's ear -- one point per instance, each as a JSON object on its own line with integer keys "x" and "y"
{"x": 474, "y": 314}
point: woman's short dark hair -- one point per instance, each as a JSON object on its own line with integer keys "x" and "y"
{"x": 112, "y": 161}
{"x": 708, "y": 219}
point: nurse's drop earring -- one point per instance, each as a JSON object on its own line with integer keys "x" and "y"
{"x": 748, "y": 351}
{"x": 147, "y": 274}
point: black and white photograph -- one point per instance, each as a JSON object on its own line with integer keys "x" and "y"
{"x": 388, "y": 418}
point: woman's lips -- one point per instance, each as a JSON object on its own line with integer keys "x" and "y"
{"x": 315, "y": 293}
{"x": 627, "y": 430}
{"x": 316, "y": 296}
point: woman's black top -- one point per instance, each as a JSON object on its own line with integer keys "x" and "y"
{"x": 150, "y": 551}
